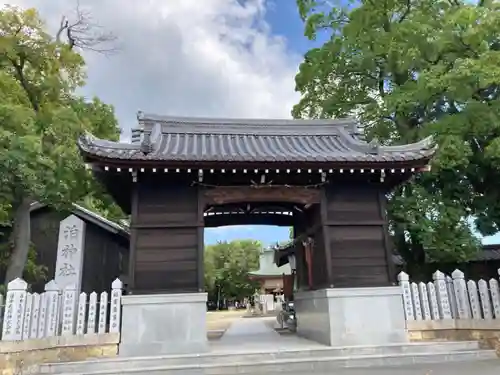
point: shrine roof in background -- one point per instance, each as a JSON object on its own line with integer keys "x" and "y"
{"x": 164, "y": 140}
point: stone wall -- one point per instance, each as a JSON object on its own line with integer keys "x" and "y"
{"x": 487, "y": 332}
{"x": 23, "y": 357}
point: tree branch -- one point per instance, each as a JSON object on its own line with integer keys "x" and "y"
{"x": 406, "y": 12}
{"x": 86, "y": 34}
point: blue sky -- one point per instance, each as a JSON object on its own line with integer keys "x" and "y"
{"x": 284, "y": 21}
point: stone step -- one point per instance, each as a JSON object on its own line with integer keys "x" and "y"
{"x": 259, "y": 356}
{"x": 300, "y": 365}
{"x": 485, "y": 367}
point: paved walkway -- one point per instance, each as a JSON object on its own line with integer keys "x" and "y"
{"x": 258, "y": 334}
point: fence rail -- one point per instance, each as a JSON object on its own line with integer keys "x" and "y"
{"x": 450, "y": 297}
{"x": 57, "y": 312}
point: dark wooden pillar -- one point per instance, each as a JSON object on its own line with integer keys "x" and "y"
{"x": 301, "y": 272}
{"x": 166, "y": 239}
{"x": 355, "y": 231}
{"x": 320, "y": 257}
{"x": 311, "y": 229}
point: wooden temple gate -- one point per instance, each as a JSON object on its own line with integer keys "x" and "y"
{"x": 183, "y": 175}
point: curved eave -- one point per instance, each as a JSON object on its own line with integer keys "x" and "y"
{"x": 282, "y": 252}
{"x": 102, "y": 151}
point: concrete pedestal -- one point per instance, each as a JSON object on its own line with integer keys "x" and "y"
{"x": 163, "y": 324}
{"x": 352, "y": 316}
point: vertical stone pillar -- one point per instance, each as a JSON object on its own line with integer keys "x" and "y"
{"x": 70, "y": 249}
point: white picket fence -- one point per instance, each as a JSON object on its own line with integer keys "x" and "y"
{"x": 450, "y": 297}
{"x": 57, "y": 312}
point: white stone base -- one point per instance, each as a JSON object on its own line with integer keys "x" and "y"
{"x": 163, "y": 324}
{"x": 352, "y": 316}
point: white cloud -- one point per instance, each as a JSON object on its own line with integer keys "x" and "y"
{"x": 186, "y": 57}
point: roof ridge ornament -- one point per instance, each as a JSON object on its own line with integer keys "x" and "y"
{"x": 146, "y": 146}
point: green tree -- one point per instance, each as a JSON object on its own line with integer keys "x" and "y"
{"x": 226, "y": 268}
{"x": 409, "y": 69}
{"x": 41, "y": 118}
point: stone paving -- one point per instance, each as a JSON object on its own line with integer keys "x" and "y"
{"x": 256, "y": 333}
{"x": 490, "y": 367}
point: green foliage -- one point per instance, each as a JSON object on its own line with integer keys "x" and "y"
{"x": 41, "y": 117}
{"x": 226, "y": 269}
{"x": 409, "y": 69}
{"x": 33, "y": 272}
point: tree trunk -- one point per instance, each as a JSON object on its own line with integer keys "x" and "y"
{"x": 21, "y": 239}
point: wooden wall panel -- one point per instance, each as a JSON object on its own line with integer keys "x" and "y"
{"x": 356, "y": 234}
{"x": 167, "y": 206}
{"x": 168, "y": 225}
{"x": 360, "y": 276}
{"x": 342, "y": 207}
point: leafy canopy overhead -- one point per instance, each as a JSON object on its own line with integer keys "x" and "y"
{"x": 409, "y": 69}
{"x": 41, "y": 117}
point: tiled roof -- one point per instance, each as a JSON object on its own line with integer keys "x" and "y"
{"x": 176, "y": 139}
{"x": 90, "y": 216}
{"x": 267, "y": 267}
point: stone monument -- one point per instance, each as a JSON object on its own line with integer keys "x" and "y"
{"x": 70, "y": 247}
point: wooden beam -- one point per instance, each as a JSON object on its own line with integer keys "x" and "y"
{"x": 263, "y": 193}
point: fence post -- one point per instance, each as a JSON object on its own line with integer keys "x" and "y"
{"x": 82, "y": 311}
{"x": 68, "y": 311}
{"x": 91, "y": 322}
{"x": 442, "y": 295}
{"x": 495, "y": 297}
{"x": 431, "y": 289}
{"x": 461, "y": 294}
{"x": 424, "y": 299}
{"x": 404, "y": 283}
{"x": 115, "y": 308}
{"x": 451, "y": 297}
{"x": 35, "y": 320}
{"x": 475, "y": 304}
{"x": 52, "y": 298}
{"x": 15, "y": 305}
{"x": 416, "y": 301}
{"x": 484, "y": 294}
{"x": 103, "y": 313}
{"x": 28, "y": 316}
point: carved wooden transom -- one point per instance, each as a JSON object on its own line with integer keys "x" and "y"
{"x": 235, "y": 194}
